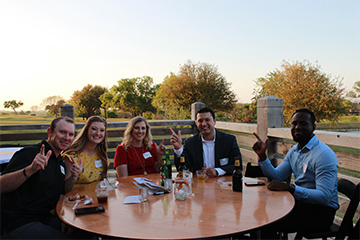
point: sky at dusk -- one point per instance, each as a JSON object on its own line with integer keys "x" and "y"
{"x": 56, "y": 47}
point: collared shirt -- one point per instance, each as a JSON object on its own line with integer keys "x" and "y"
{"x": 315, "y": 171}
{"x": 208, "y": 154}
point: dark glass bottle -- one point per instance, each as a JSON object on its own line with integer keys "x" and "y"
{"x": 164, "y": 172}
{"x": 237, "y": 178}
{"x": 182, "y": 166}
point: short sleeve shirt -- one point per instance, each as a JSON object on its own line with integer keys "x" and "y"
{"x": 39, "y": 194}
{"x": 92, "y": 168}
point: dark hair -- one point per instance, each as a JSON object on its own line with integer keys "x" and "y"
{"x": 305, "y": 110}
{"x": 56, "y": 120}
{"x": 206, "y": 110}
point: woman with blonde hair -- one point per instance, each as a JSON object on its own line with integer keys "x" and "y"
{"x": 137, "y": 154}
{"x": 88, "y": 151}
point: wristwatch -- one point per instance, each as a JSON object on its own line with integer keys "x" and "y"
{"x": 292, "y": 189}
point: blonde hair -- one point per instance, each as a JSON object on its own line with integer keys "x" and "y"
{"x": 81, "y": 139}
{"x": 128, "y": 138}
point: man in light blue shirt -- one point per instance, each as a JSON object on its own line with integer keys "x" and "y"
{"x": 314, "y": 166}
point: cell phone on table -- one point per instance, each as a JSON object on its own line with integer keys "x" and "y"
{"x": 89, "y": 210}
{"x": 256, "y": 183}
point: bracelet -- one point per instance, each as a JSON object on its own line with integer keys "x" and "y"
{"x": 26, "y": 176}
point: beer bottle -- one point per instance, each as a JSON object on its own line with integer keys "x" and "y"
{"x": 168, "y": 164}
{"x": 164, "y": 173}
{"x": 182, "y": 166}
{"x": 237, "y": 178}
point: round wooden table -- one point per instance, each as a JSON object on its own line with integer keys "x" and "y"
{"x": 214, "y": 211}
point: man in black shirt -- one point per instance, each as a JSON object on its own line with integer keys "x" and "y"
{"x": 32, "y": 184}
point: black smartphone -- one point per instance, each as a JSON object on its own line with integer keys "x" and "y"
{"x": 89, "y": 210}
{"x": 254, "y": 183}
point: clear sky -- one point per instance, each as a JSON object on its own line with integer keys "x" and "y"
{"x": 56, "y": 47}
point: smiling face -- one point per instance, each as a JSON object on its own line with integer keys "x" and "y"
{"x": 139, "y": 132}
{"x": 61, "y": 137}
{"x": 205, "y": 123}
{"x": 96, "y": 132}
{"x": 302, "y": 128}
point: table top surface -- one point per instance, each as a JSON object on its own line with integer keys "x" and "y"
{"x": 214, "y": 210}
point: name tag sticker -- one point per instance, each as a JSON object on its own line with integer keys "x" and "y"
{"x": 98, "y": 163}
{"x": 304, "y": 167}
{"x": 147, "y": 155}
{"x": 62, "y": 169}
{"x": 224, "y": 161}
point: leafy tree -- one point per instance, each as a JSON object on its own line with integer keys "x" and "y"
{"x": 34, "y": 108}
{"x": 303, "y": 85}
{"x": 53, "y": 105}
{"x": 244, "y": 112}
{"x": 355, "y": 93}
{"x": 131, "y": 94}
{"x": 13, "y": 104}
{"x": 200, "y": 82}
{"x": 87, "y": 101}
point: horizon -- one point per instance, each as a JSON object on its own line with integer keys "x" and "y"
{"x": 57, "y": 47}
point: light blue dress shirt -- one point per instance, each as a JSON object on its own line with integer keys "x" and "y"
{"x": 315, "y": 171}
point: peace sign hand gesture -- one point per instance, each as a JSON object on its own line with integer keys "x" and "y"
{"x": 76, "y": 168}
{"x": 260, "y": 147}
{"x": 41, "y": 160}
{"x": 176, "y": 139}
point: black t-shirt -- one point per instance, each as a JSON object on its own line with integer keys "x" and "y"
{"x": 39, "y": 194}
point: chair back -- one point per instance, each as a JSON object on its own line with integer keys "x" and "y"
{"x": 253, "y": 171}
{"x": 352, "y": 191}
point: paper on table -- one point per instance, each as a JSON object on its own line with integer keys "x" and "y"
{"x": 132, "y": 199}
{"x": 153, "y": 188}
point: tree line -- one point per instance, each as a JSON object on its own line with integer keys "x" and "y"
{"x": 299, "y": 84}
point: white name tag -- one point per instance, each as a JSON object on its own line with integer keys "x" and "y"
{"x": 62, "y": 169}
{"x": 224, "y": 161}
{"x": 147, "y": 155}
{"x": 304, "y": 167}
{"x": 98, "y": 163}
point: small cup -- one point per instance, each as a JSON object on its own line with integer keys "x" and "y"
{"x": 201, "y": 175}
{"x": 143, "y": 194}
{"x": 102, "y": 195}
{"x": 168, "y": 184}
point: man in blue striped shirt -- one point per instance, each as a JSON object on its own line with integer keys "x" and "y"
{"x": 314, "y": 166}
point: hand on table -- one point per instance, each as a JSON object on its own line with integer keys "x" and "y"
{"x": 277, "y": 185}
{"x": 211, "y": 172}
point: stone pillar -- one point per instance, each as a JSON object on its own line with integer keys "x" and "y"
{"x": 195, "y": 107}
{"x": 269, "y": 115}
{"x": 68, "y": 111}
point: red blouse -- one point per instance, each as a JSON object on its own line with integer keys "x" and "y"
{"x": 136, "y": 158}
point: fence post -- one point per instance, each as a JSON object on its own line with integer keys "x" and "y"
{"x": 195, "y": 107}
{"x": 68, "y": 111}
{"x": 270, "y": 115}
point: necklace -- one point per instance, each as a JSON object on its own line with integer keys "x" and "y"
{"x": 142, "y": 165}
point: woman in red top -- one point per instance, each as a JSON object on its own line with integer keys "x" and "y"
{"x": 137, "y": 154}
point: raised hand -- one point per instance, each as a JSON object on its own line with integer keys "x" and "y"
{"x": 40, "y": 161}
{"x": 176, "y": 139}
{"x": 161, "y": 148}
{"x": 260, "y": 147}
{"x": 76, "y": 168}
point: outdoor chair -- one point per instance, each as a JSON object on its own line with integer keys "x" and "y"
{"x": 253, "y": 171}
{"x": 346, "y": 227}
